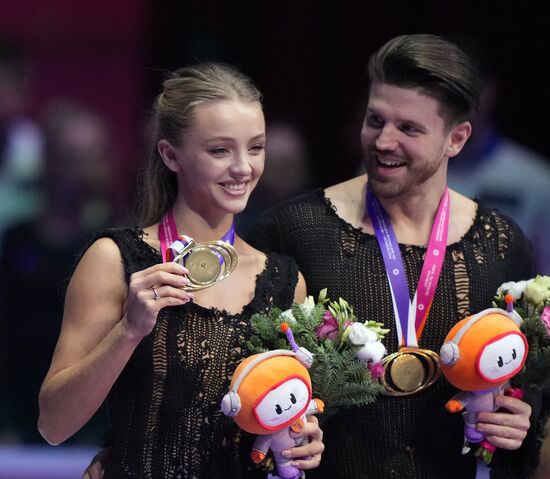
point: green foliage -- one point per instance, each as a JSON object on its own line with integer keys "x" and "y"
{"x": 531, "y": 297}
{"x": 536, "y": 372}
{"x": 338, "y": 377}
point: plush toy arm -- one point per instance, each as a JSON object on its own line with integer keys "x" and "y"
{"x": 260, "y": 448}
{"x": 454, "y": 405}
{"x": 297, "y": 425}
{"x": 257, "y": 456}
{"x": 315, "y": 406}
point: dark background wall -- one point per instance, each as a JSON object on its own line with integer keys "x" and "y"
{"x": 307, "y": 57}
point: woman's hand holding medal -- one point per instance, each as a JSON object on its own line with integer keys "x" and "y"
{"x": 149, "y": 291}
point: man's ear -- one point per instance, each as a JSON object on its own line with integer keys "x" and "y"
{"x": 458, "y": 137}
{"x": 168, "y": 154}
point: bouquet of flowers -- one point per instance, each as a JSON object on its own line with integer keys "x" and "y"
{"x": 532, "y": 303}
{"x": 347, "y": 352}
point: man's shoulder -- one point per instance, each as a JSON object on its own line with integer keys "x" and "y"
{"x": 341, "y": 191}
{"x": 501, "y": 231}
{"x": 295, "y": 204}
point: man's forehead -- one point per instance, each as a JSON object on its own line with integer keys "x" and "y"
{"x": 411, "y": 103}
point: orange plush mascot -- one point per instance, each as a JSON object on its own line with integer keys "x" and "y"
{"x": 480, "y": 354}
{"x": 270, "y": 395}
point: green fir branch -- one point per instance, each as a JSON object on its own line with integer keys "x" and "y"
{"x": 338, "y": 377}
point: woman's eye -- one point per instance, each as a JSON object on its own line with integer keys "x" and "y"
{"x": 257, "y": 148}
{"x": 218, "y": 151}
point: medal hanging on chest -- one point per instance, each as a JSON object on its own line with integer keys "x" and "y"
{"x": 208, "y": 262}
{"x": 411, "y": 369}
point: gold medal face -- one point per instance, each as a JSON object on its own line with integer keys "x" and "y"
{"x": 410, "y": 370}
{"x": 407, "y": 372}
{"x": 208, "y": 263}
{"x": 203, "y": 265}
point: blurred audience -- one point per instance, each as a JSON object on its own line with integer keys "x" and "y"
{"x": 287, "y": 172}
{"x": 38, "y": 257}
{"x": 501, "y": 172}
{"x": 20, "y": 139}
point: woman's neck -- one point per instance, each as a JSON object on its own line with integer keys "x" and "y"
{"x": 201, "y": 226}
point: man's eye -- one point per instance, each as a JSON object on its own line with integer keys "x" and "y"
{"x": 374, "y": 121}
{"x": 408, "y": 129}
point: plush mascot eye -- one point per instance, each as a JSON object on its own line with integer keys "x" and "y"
{"x": 278, "y": 409}
{"x": 500, "y": 362}
{"x": 292, "y": 398}
{"x": 514, "y": 354}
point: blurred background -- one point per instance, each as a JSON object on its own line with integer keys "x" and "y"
{"x": 76, "y": 83}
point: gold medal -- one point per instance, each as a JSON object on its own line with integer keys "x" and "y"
{"x": 410, "y": 370}
{"x": 203, "y": 265}
{"x": 208, "y": 263}
{"x": 407, "y": 372}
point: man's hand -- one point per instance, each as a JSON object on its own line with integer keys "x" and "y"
{"x": 506, "y": 430}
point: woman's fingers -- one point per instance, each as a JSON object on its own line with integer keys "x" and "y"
{"x": 309, "y": 455}
{"x": 160, "y": 274}
{"x": 151, "y": 290}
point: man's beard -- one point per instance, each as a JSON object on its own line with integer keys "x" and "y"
{"x": 385, "y": 187}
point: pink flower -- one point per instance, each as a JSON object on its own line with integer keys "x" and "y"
{"x": 328, "y": 328}
{"x": 545, "y": 316}
{"x": 376, "y": 370}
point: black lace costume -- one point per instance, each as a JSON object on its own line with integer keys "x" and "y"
{"x": 165, "y": 413}
{"x": 414, "y": 436}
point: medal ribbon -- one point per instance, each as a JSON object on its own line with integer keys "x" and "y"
{"x": 170, "y": 247}
{"x": 410, "y": 317}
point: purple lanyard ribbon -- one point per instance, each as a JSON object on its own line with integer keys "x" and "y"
{"x": 168, "y": 237}
{"x": 410, "y": 317}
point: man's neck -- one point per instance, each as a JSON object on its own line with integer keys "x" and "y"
{"x": 412, "y": 216}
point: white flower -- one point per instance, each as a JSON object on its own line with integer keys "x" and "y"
{"x": 515, "y": 289}
{"x": 289, "y": 316}
{"x": 308, "y": 305}
{"x": 373, "y": 351}
{"x": 359, "y": 334}
{"x": 537, "y": 290}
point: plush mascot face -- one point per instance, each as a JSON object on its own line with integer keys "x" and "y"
{"x": 273, "y": 394}
{"x": 282, "y": 404}
{"x": 501, "y": 358}
{"x": 490, "y": 351}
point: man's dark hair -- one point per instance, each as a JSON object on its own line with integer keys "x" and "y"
{"x": 432, "y": 65}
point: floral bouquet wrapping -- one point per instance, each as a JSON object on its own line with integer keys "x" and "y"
{"x": 347, "y": 352}
{"x": 532, "y": 303}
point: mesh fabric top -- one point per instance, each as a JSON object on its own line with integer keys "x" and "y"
{"x": 414, "y": 436}
{"x": 165, "y": 406}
